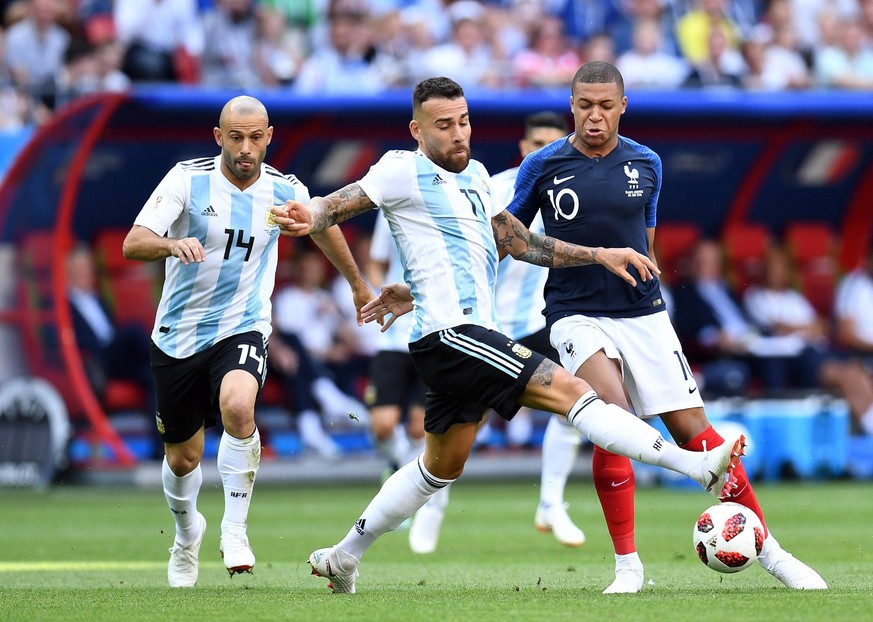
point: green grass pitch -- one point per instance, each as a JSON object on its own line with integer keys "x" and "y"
{"x": 78, "y": 553}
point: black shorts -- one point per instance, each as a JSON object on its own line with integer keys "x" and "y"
{"x": 540, "y": 342}
{"x": 187, "y": 389}
{"x": 469, "y": 369}
{"x": 394, "y": 381}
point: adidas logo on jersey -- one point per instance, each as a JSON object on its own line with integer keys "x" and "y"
{"x": 209, "y": 211}
{"x": 437, "y": 180}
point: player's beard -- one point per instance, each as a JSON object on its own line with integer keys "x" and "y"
{"x": 454, "y": 160}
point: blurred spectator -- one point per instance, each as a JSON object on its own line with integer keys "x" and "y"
{"x": 847, "y": 64}
{"x": 108, "y": 351}
{"x": 469, "y": 57}
{"x": 278, "y": 54}
{"x": 599, "y": 47}
{"x": 229, "y": 35}
{"x": 409, "y": 37}
{"x": 162, "y": 38}
{"x": 549, "y": 62}
{"x": 35, "y": 48}
{"x": 694, "y": 30}
{"x": 852, "y": 309}
{"x": 814, "y": 21}
{"x": 786, "y": 314}
{"x": 307, "y": 310}
{"x": 646, "y": 65}
{"x": 636, "y": 11}
{"x": 585, "y": 19}
{"x": 710, "y": 322}
{"x": 350, "y": 63}
{"x": 722, "y": 68}
{"x": 15, "y": 106}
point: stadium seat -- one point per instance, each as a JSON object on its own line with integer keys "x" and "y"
{"x": 745, "y": 246}
{"x": 812, "y": 246}
{"x": 673, "y": 244}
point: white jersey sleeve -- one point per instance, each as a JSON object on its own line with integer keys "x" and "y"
{"x": 441, "y": 224}
{"x": 520, "y": 298}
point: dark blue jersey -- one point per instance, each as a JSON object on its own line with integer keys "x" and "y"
{"x": 608, "y": 202}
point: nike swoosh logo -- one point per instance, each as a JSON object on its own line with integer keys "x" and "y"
{"x": 559, "y": 180}
{"x": 617, "y": 484}
{"x": 690, "y": 391}
{"x": 712, "y": 482}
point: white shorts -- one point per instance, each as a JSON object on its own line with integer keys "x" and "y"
{"x": 653, "y": 366}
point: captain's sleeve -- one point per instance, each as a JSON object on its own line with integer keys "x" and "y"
{"x": 165, "y": 204}
{"x": 389, "y": 181}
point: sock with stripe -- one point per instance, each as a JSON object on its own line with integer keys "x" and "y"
{"x": 400, "y": 497}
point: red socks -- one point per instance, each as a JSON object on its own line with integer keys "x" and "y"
{"x": 614, "y": 482}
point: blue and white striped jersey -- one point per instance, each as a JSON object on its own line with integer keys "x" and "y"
{"x": 441, "y": 222}
{"x": 229, "y": 293}
{"x": 383, "y": 250}
{"x": 520, "y": 285}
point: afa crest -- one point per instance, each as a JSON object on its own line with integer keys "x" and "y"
{"x": 159, "y": 423}
{"x": 521, "y": 351}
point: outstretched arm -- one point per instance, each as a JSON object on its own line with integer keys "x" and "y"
{"x": 297, "y": 219}
{"x": 333, "y": 244}
{"x": 515, "y": 239}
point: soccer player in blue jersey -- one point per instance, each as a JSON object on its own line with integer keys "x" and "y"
{"x": 596, "y": 187}
{"x": 450, "y": 235}
{"x": 210, "y": 220}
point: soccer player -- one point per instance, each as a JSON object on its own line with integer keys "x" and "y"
{"x": 210, "y": 219}
{"x": 450, "y": 236}
{"x": 597, "y": 187}
{"x": 519, "y": 303}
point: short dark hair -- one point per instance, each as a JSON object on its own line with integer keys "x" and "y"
{"x": 546, "y": 118}
{"x": 442, "y": 87}
{"x": 598, "y": 72}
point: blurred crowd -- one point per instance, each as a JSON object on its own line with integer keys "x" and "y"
{"x": 57, "y": 50}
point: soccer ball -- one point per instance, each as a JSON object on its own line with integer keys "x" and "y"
{"x": 728, "y": 537}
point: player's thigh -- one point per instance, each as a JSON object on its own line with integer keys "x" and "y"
{"x": 553, "y": 389}
{"x": 183, "y": 396}
{"x": 604, "y": 376}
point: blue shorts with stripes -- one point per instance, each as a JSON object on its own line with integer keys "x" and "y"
{"x": 469, "y": 369}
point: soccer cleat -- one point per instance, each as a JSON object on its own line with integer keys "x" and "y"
{"x": 236, "y": 552}
{"x": 554, "y": 518}
{"x": 788, "y": 569}
{"x": 628, "y": 575}
{"x": 424, "y": 533}
{"x": 184, "y": 560}
{"x": 716, "y": 475}
{"x": 337, "y": 566}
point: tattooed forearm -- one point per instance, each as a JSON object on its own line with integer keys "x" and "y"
{"x": 553, "y": 253}
{"x": 544, "y": 374}
{"x": 339, "y": 206}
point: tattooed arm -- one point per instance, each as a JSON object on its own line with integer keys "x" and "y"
{"x": 297, "y": 219}
{"x": 515, "y": 239}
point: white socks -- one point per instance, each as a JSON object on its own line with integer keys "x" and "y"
{"x": 615, "y": 429}
{"x": 400, "y": 496}
{"x": 395, "y": 448}
{"x": 181, "y": 494}
{"x": 238, "y": 460}
{"x": 561, "y": 443}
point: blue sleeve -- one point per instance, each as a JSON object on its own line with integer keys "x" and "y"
{"x": 652, "y": 205}
{"x": 524, "y": 203}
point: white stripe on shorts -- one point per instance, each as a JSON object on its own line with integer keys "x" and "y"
{"x": 481, "y": 351}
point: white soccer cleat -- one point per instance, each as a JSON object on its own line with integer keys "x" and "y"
{"x": 716, "y": 474}
{"x": 628, "y": 575}
{"x": 236, "y": 552}
{"x": 424, "y": 533}
{"x": 788, "y": 569}
{"x": 554, "y": 518}
{"x": 339, "y": 567}
{"x": 184, "y": 560}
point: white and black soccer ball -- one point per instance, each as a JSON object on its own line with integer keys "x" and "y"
{"x": 728, "y": 537}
